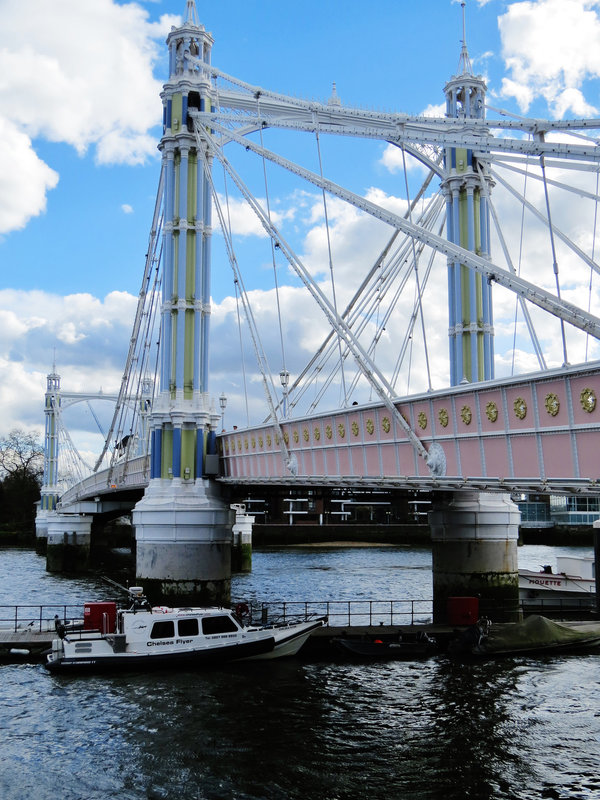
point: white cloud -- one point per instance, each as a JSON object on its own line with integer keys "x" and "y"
{"x": 550, "y": 48}
{"x": 126, "y": 208}
{"x": 77, "y": 73}
{"x": 24, "y": 179}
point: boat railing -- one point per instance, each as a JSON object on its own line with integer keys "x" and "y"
{"x": 342, "y": 613}
{"x": 37, "y": 619}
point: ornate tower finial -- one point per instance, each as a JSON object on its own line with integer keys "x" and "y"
{"x": 191, "y": 15}
{"x": 464, "y": 62}
{"x": 334, "y": 100}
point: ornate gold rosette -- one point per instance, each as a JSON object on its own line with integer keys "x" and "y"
{"x": 520, "y": 407}
{"x": 587, "y": 398}
{"x": 466, "y": 415}
{"x": 552, "y": 404}
{"x": 422, "y": 420}
{"x": 491, "y": 411}
{"x": 443, "y": 417}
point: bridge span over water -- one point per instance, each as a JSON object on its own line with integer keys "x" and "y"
{"x": 167, "y": 454}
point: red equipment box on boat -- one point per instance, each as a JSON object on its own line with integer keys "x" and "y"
{"x": 100, "y": 617}
{"x": 463, "y": 610}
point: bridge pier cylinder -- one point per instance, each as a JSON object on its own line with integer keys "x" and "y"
{"x": 241, "y": 549}
{"x": 597, "y": 562}
{"x": 69, "y": 539}
{"x": 183, "y": 543}
{"x": 474, "y": 539}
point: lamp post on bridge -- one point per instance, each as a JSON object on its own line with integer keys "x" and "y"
{"x": 284, "y": 377}
{"x": 223, "y": 404}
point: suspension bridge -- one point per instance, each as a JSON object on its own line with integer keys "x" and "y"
{"x": 506, "y": 204}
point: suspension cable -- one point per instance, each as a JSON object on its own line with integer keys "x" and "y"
{"x": 333, "y": 292}
{"x": 416, "y": 270}
{"x": 264, "y": 163}
{"x": 554, "y": 260}
{"x": 587, "y": 338}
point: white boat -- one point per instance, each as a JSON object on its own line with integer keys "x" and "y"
{"x": 142, "y": 637}
{"x": 573, "y": 583}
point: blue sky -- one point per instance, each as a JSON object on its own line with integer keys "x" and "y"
{"x": 80, "y": 119}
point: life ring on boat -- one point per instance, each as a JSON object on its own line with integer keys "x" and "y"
{"x": 241, "y": 609}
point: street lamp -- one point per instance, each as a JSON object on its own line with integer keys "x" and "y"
{"x": 223, "y": 404}
{"x": 284, "y": 377}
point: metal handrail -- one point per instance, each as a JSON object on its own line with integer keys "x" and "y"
{"x": 38, "y": 618}
{"x": 348, "y": 612}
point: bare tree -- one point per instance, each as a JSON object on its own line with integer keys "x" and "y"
{"x": 21, "y": 455}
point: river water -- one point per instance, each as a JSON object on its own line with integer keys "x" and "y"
{"x": 313, "y": 730}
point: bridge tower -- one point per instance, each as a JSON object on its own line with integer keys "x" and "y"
{"x": 183, "y": 529}
{"x": 49, "y": 492}
{"x": 474, "y": 534}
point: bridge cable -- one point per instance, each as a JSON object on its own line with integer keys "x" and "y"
{"x": 521, "y": 236}
{"x": 237, "y": 303}
{"x": 276, "y": 281}
{"x": 534, "y": 293}
{"x": 333, "y": 292}
{"x": 288, "y": 457}
{"x": 355, "y": 307}
{"x": 587, "y": 338}
{"x": 416, "y": 270}
{"x": 370, "y": 370}
{"x": 554, "y": 260}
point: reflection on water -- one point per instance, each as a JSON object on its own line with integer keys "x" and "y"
{"x": 434, "y": 730}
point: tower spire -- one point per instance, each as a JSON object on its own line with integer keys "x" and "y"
{"x": 464, "y": 62}
{"x": 191, "y": 15}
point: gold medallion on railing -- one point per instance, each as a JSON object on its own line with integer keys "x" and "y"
{"x": 260, "y": 442}
{"x": 385, "y": 424}
{"x": 246, "y": 444}
{"x": 466, "y": 415}
{"x": 253, "y": 443}
{"x": 443, "y": 417}
{"x": 317, "y": 434}
{"x": 587, "y": 398}
{"x": 328, "y": 431}
{"x": 491, "y": 411}
{"x": 268, "y": 440}
{"x": 286, "y": 437}
{"x": 305, "y": 434}
{"x": 355, "y": 428}
{"x": 552, "y": 404}
{"x": 341, "y": 430}
{"x": 296, "y": 436}
{"x": 422, "y": 420}
{"x": 520, "y": 407}
{"x": 370, "y": 426}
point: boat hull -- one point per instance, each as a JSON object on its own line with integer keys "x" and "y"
{"x": 188, "y": 659}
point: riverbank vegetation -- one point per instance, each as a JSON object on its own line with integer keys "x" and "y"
{"x": 21, "y": 472}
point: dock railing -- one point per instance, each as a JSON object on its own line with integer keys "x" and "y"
{"x": 39, "y": 619}
{"x": 342, "y": 613}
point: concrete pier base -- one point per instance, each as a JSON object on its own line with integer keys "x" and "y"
{"x": 241, "y": 548}
{"x": 68, "y": 542}
{"x": 183, "y": 543}
{"x": 41, "y": 531}
{"x": 474, "y": 545}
